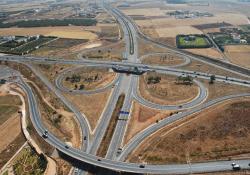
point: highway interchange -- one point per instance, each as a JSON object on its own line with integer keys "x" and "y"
{"x": 128, "y": 85}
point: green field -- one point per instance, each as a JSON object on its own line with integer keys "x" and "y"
{"x": 28, "y": 162}
{"x": 198, "y": 42}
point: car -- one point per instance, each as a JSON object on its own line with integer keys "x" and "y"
{"x": 99, "y": 160}
{"x": 67, "y": 146}
{"x": 45, "y": 134}
{"x": 236, "y": 167}
{"x": 85, "y": 138}
{"x": 142, "y": 166}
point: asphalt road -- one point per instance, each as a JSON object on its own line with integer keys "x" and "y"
{"x": 117, "y": 165}
{"x": 126, "y": 84}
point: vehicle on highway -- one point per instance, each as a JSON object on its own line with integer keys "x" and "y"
{"x": 67, "y": 146}
{"x": 236, "y": 167}
{"x": 45, "y": 134}
{"x": 142, "y": 166}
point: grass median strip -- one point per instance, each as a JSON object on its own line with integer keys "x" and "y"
{"x": 111, "y": 128}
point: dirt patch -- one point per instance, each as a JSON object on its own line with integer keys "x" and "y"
{"x": 239, "y": 55}
{"x": 91, "y": 105}
{"x": 167, "y": 91}
{"x": 145, "y": 12}
{"x": 146, "y": 48}
{"x": 208, "y": 52}
{"x": 163, "y": 60}
{"x": 232, "y": 18}
{"x": 215, "y": 134}
{"x": 174, "y": 31}
{"x": 9, "y": 131}
{"x": 109, "y": 51}
{"x": 141, "y": 118}
{"x": 13, "y": 147}
{"x": 61, "y": 48}
{"x": 75, "y": 32}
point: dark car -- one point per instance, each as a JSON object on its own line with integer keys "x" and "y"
{"x": 67, "y": 146}
{"x": 142, "y": 166}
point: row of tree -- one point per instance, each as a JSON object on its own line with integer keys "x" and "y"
{"x": 50, "y": 22}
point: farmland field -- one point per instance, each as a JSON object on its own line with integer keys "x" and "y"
{"x": 239, "y": 55}
{"x": 75, "y": 32}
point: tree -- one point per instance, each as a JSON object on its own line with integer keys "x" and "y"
{"x": 81, "y": 87}
{"x": 76, "y": 86}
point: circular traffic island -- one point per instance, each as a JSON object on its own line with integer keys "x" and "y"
{"x": 167, "y": 89}
{"x": 88, "y": 79}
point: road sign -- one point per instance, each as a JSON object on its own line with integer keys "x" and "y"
{"x": 124, "y": 112}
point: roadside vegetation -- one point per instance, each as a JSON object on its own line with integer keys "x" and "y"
{"x": 111, "y": 127}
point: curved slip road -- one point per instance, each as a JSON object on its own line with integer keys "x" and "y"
{"x": 117, "y": 165}
{"x": 138, "y": 139}
{"x": 186, "y": 59}
{"x": 196, "y": 101}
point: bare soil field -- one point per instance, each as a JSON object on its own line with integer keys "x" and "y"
{"x": 61, "y": 48}
{"x": 144, "y": 12}
{"x": 214, "y": 134}
{"x": 167, "y": 92}
{"x": 174, "y": 31}
{"x": 91, "y": 105}
{"x": 151, "y": 32}
{"x": 10, "y": 126}
{"x": 9, "y": 105}
{"x": 8, "y": 152}
{"x": 239, "y": 55}
{"x": 232, "y": 18}
{"x": 9, "y": 131}
{"x": 109, "y": 51}
{"x": 163, "y": 60}
{"x": 147, "y": 48}
{"x": 75, "y": 32}
{"x": 141, "y": 118}
{"x": 210, "y": 52}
